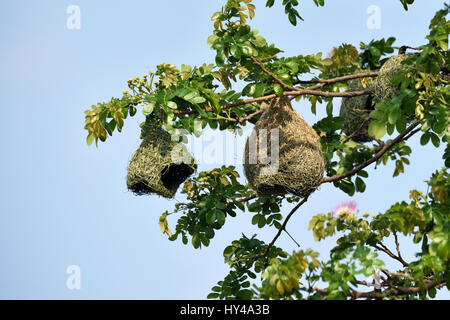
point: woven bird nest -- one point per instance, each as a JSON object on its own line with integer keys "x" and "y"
{"x": 384, "y": 89}
{"x": 300, "y": 166}
{"x": 354, "y": 111}
{"x": 159, "y": 165}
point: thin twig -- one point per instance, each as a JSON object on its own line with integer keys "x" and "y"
{"x": 412, "y": 133}
{"x": 283, "y": 226}
{"x": 354, "y": 133}
{"x": 324, "y": 82}
{"x": 362, "y": 110}
{"x": 240, "y": 120}
{"x": 393, "y": 291}
{"x": 273, "y": 76}
{"x": 268, "y": 58}
{"x": 292, "y": 238}
{"x": 298, "y": 92}
{"x": 397, "y": 245}
{"x": 344, "y": 175}
{"x": 378, "y": 155}
{"x": 398, "y": 274}
{"x": 385, "y": 249}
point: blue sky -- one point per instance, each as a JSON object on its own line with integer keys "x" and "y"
{"x": 64, "y": 203}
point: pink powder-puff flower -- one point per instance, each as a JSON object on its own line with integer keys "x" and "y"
{"x": 345, "y": 209}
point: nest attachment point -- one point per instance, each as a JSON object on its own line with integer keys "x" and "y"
{"x": 299, "y": 166}
{"x": 159, "y": 165}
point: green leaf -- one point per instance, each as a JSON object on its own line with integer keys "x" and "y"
{"x": 209, "y": 232}
{"x": 148, "y": 109}
{"x": 425, "y": 138}
{"x": 435, "y": 140}
{"x": 220, "y": 58}
{"x": 270, "y": 3}
{"x": 439, "y": 126}
{"x": 235, "y": 51}
{"x": 261, "y": 221}
{"x": 369, "y": 271}
{"x": 377, "y": 114}
{"x": 197, "y": 100}
{"x": 259, "y": 42}
{"x": 220, "y": 217}
{"x": 240, "y": 205}
{"x": 292, "y": 65}
{"x": 292, "y": 18}
{"x": 196, "y": 241}
{"x": 211, "y": 217}
{"x": 259, "y": 91}
{"x": 205, "y": 240}
{"x": 360, "y": 185}
{"x": 90, "y": 138}
{"x": 254, "y": 207}
{"x": 172, "y": 105}
{"x": 211, "y": 40}
{"x": 394, "y": 114}
{"x": 330, "y": 109}
{"x": 246, "y": 50}
{"x": 401, "y": 125}
{"x": 190, "y": 95}
{"x": 377, "y": 129}
{"x": 216, "y": 15}
{"x": 278, "y": 89}
{"x": 228, "y": 251}
{"x": 378, "y": 263}
{"x": 245, "y": 294}
{"x": 212, "y": 296}
{"x": 336, "y": 295}
{"x": 363, "y": 173}
{"x": 390, "y": 128}
{"x": 255, "y": 218}
{"x": 432, "y": 293}
{"x": 221, "y": 205}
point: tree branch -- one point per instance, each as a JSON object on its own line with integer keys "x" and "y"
{"x": 283, "y": 226}
{"x": 383, "y": 248}
{"x": 270, "y": 74}
{"x": 324, "y": 82}
{"x": 392, "y": 291}
{"x": 382, "y": 151}
{"x": 397, "y": 246}
{"x": 379, "y": 154}
{"x": 356, "y": 132}
{"x": 294, "y": 92}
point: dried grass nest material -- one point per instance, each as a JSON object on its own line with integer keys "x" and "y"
{"x": 384, "y": 89}
{"x": 353, "y": 111}
{"x": 300, "y": 161}
{"x": 152, "y": 168}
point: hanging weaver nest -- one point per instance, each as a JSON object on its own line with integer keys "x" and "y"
{"x": 353, "y": 111}
{"x": 153, "y": 169}
{"x": 300, "y": 166}
{"x": 384, "y": 89}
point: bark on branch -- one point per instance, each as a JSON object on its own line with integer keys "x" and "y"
{"x": 380, "y": 153}
{"x": 406, "y": 135}
{"x": 283, "y": 226}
